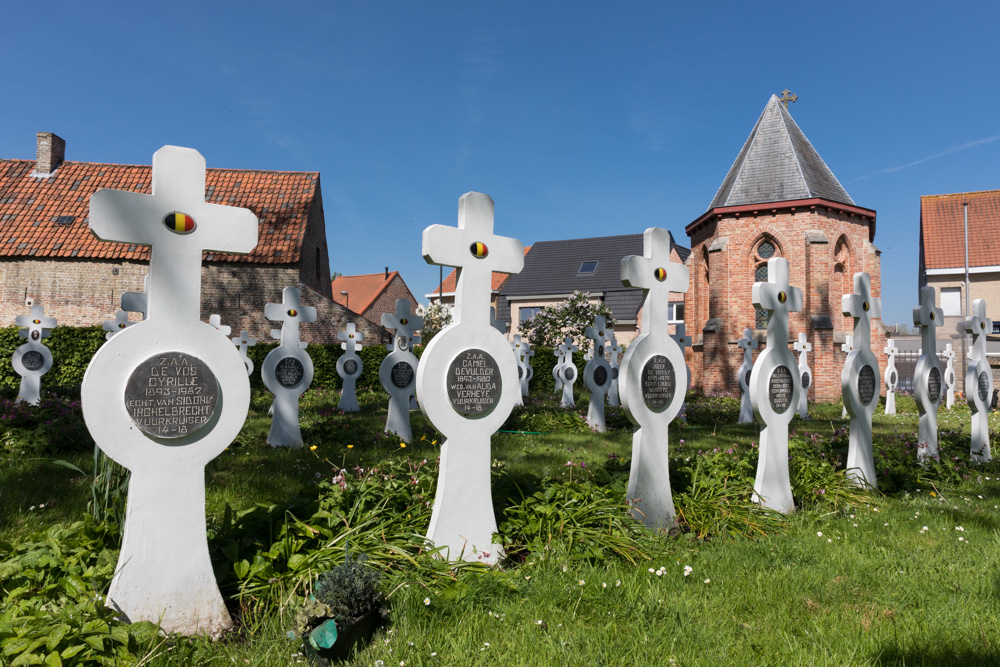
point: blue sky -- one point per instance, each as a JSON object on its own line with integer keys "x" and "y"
{"x": 579, "y": 119}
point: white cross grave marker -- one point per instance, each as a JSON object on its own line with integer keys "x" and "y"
{"x": 135, "y": 302}
{"x": 526, "y": 354}
{"x": 979, "y": 381}
{"x": 243, "y": 342}
{"x": 847, "y": 347}
{"x": 597, "y": 373}
{"x": 398, "y": 371}
{"x": 949, "y": 376}
{"x": 215, "y": 321}
{"x": 287, "y": 370}
{"x": 891, "y": 377}
{"x": 616, "y": 364}
{"x": 166, "y": 396}
{"x": 927, "y": 374}
{"x": 860, "y": 383}
{"x": 683, "y": 341}
{"x": 516, "y": 347}
{"x": 32, "y": 360}
{"x": 804, "y": 347}
{"x": 774, "y": 387}
{"x": 349, "y": 367}
{"x": 559, "y": 353}
{"x": 467, "y": 379}
{"x": 653, "y": 376}
{"x": 120, "y": 323}
{"x": 747, "y": 343}
{"x": 567, "y": 373}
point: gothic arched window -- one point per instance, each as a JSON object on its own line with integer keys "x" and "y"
{"x": 764, "y": 250}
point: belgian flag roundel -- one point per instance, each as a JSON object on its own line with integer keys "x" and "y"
{"x": 479, "y": 250}
{"x": 660, "y": 274}
{"x": 179, "y": 222}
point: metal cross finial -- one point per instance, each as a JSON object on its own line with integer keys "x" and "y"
{"x": 862, "y": 306}
{"x": 778, "y": 299}
{"x": 928, "y": 318}
{"x": 178, "y": 224}
{"x": 654, "y": 273}
{"x": 476, "y": 252}
{"x": 291, "y": 313}
{"x": 786, "y": 97}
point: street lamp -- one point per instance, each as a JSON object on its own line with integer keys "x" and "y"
{"x": 347, "y": 298}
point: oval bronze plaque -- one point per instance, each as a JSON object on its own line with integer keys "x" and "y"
{"x": 934, "y": 384}
{"x": 780, "y": 389}
{"x": 474, "y": 384}
{"x": 866, "y": 384}
{"x": 659, "y": 383}
{"x": 289, "y": 372}
{"x": 32, "y": 360}
{"x": 171, "y": 394}
{"x": 402, "y": 374}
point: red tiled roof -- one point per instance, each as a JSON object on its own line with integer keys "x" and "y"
{"x": 362, "y": 290}
{"x": 943, "y": 229}
{"x": 449, "y": 281}
{"x": 31, "y": 208}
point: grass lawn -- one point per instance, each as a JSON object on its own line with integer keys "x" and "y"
{"x": 908, "y": 577}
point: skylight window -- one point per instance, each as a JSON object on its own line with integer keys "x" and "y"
{"x": 65, "y": 220}
{"x": 588, "y": 267}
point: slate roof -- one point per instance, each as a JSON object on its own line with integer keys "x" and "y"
{"x": 450, "y": 280}
{"x": 47, "y": 217}
{"x": 552, "y": 267}
{"x": 777, "y": 163}
{"x": 942, "y": 229}
{"x": 364, "y": 289}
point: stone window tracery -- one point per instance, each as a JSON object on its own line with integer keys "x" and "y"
{"x": 764, "y": 249}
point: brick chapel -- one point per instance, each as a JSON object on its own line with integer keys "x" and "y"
{"x": 779, "y": 199}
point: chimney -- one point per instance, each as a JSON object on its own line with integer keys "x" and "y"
{"x": 51, "y": 152}
{"x": 387, "y": 273}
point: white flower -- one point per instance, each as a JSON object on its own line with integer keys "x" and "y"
{"x": 707, "y": 581}
{"x": 652, "y": 570}
{"x": 604, "y": 584}
{"x": 427, "y": 602}
{"x": 829, "y": 540}
{"x": 688, "y": 570}
{"x": 659, "y": 573}
{"x": 618, "y": 582}
{"x": 582, "y": 582}
{"x": 819, "y": 533}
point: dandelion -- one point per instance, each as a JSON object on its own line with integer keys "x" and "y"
{"x": 350, "y": 446}
{"x": 402, "y": 445}
{"x": 427, "y": 602}
{"x": 434, "y": 442}
{"x": 312, "y": 448}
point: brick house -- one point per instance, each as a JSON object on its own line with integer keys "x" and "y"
{"x": 372, "y": 294}
{"x": 48, "y": 252}
{"x": 553, "y": 270}
{"x": 778, "y": 199}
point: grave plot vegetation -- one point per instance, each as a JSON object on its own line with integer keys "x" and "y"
{"x": 906, "y": 575}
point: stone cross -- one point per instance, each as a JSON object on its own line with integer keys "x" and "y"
{"x": 747, "y": 344}
{"x": 120, "y": 323}
{"x": 653, "y": 377}
{"x": 949, "y": 376}
{"x": 32, "y": 360}
{"x": 243, "y": 342}
{"x": 615, "y": 362}
{"x": 398, "y": 371}
{"x": 860, "y": 382}
{"x": 135, "y": 302}
{"x": 788, "y": 96}
{"x": 287, "y": 370}
{"x": 349, "y": 367}
{"x": 979, "y": 380}
{"x": 166, "y": 396}
{"x": 927, "y": 374}
{"x": 804, "y": 347}
{"x": 597, "y": 373}
{"x": 683, "y": 341}
{"x": 891, "y": 377}
{"x": 216, "y": 322}
{"x": 846, "y": 348}
{"x": 467, "y": 380}
{"x": 567, "y": 373}
{"x": 774, "y": 387}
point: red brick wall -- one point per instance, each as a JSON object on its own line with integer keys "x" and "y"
{"x": 314, "y": 262}
{"x": 386, "y": 301}
{"x": 715, "y": 357}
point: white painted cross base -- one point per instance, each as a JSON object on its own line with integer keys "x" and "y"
{"x": 652, "y": 378}
{"x": 774, "y": 387}
{"x": 597, "y": 374}
{"x": 804, "y": 347}
{"x": 927, "y": 374}
{"x": 860, "y": 383}
{"x": 467, "y": 380}
{"x": 398, "y": 371}
{"x": 615, "y": 363}
{"x": 891, "y": 377}
{"x": 949, "y": 376}
{"x": 745, "y": 372}
{"x": 166, "y": 396}
{"x": 287, "y": 370}
{"x": 32, "y": 360}
{"x": 979, "y": 381}
{"x": 349, "y": 367}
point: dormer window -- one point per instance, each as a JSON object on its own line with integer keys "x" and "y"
{"x": 587, "y": 268}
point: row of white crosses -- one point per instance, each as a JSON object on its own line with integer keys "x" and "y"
{"x": 32, "y": 360}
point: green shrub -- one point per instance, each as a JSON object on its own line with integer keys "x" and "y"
{"x": 711, "y": 409}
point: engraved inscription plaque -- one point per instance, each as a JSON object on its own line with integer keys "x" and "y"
{"x": 892, "y": 378}
{"x": 934, "y": 385}
{"x": 779, "y": 389}
{"x": 569, "y": 373}
{"x": 171, "y": 394}
{"x": 659, "y": 382}
{"x": 350, "y": 367}
{"x": 289, "y": 372}
{"x": 402, "y": 374}
{"x": 747, "y": 378}
{"x": 984, "y": 386}
{"x": 866, "y": 384}
{"x": 474, "y": 383}
{"x": 600, "y": 376}
{"x": 805, "y": 380}
{"x": 32, "y": 360}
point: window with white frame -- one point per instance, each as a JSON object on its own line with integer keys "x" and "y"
{"x": 951, "y": 301}
{"x": 525, "y": 313}
{"x": 675, "y": 312}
